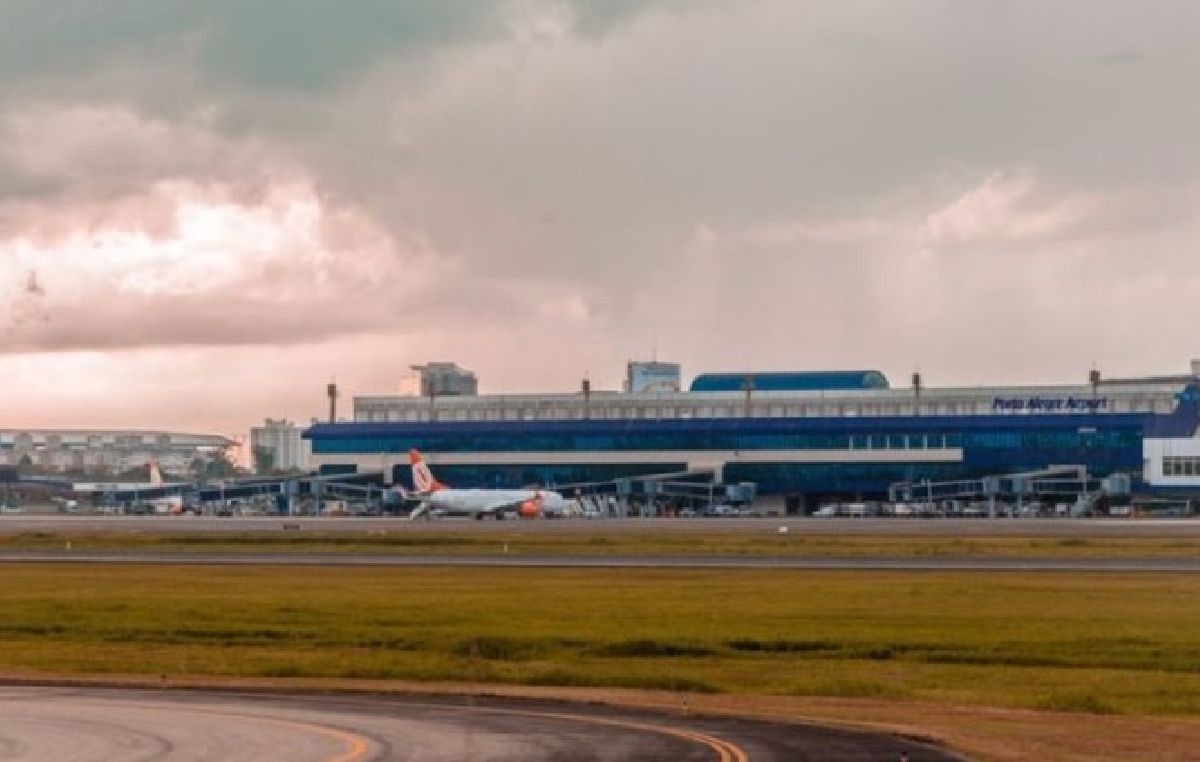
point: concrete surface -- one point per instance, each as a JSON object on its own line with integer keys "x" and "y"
{"x": 862, "y": 563}
{"x": 11, "y": 523}
{"x": 98, "y": 725}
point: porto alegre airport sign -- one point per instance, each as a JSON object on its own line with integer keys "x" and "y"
{"x": 1049, "y": 404}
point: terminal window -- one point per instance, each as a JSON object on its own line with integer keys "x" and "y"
{"x": 1181, "y": 466}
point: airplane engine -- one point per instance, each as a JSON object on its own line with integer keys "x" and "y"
{"x": 530, "y": 509}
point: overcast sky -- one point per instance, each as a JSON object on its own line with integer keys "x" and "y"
{"x": 225, "y": 204}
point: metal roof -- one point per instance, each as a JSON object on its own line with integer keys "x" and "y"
{"x": 790, "y": 381}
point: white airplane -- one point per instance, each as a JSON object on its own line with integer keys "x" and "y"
{"x": 160, "y": 503}
{"x": 436, "y": 497}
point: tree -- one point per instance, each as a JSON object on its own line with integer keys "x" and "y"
{"x": 196, "y": 468}
{"x": 221, "y": 467}
{"x": 264, "y": 459}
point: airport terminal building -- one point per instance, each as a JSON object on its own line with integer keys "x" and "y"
{"x": 802, "y": 437}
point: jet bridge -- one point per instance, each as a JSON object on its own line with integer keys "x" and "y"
{"x": 614, "y": 497}
{"x": 697, "y": 485}
{"x": 1072, "y": 482}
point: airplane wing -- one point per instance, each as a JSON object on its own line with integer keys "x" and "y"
{"x": 529, "y": 506}
{"x": 501, "y": 506}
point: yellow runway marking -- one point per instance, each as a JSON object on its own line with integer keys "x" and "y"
{"x": 356, "y": 747}
{"x": 726, "y": 751}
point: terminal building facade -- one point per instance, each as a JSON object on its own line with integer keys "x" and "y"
{"x": 804, "y": 438}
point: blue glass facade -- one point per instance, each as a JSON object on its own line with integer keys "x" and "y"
{"x": 508, "y": 476}
{"x": 1057, "y": 434}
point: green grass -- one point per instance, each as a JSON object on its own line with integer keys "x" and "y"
{"x": 1095, "y": 643}
{"x": 763, "y": 541}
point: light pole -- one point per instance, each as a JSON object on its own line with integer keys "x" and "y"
{"x": 748, "y": 388}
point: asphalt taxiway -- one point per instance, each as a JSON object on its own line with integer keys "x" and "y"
{"x": 69, "y": 526}
{"x": 827, "y": 563}
{"x": 97, "y": 725}
{"x": 1175, "y": 528}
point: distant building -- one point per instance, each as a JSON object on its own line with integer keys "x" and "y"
{"x": 277, "y": 446}
{"x": 108, "y": 451}
{"x": 652, "y": 376}
{"x": 446, "y": 379}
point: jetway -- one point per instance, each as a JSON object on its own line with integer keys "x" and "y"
{"x": 311, "y": 493}
{"x": 273, "y": 493}
{"x": 618, "y": 497}
{"x": 285, "y": 492}
{"x": 1070, "y": 482}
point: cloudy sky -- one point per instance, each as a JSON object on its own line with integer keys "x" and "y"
{"x": 209, "y": 209}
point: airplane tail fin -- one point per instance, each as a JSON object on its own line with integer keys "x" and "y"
{"x": 423, "y": 479}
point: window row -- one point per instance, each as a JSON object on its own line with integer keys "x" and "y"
{"x": 608, "y": 411}
{"x": 1068, "y": 441}
{"x": 1177, "y": 465}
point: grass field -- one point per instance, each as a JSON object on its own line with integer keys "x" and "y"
{"x": 1085, "y": 643}
{"x": 600, "y": 543}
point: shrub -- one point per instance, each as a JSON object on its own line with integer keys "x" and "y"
{"x": 1082, "y": 703}
{"x": 850, "y": 688}
{"x": 782, "y": 646}
{"x": 652, "y": 648}
{"x": 498, "y": 649}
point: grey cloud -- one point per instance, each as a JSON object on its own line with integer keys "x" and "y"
{"x": 191, "y": 320}
{"x": 1122, "y": 57}
{"x": 301, "y": 44}
{"x": 180, "y": 322}
{"x": 570, "y": 167}
{"x": 220, "y": 271}
{"x": 255, "y": 314}
{"x": 307, "y": 46}
{"x": 110, "y": 150}
{"x": 590, "y": 160}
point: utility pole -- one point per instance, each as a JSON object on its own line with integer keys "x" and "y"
{"x": 331, "y": 390}
{"x": 748, "y": 388}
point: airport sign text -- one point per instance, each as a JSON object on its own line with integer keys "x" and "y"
{"x": 1050, "y": 404}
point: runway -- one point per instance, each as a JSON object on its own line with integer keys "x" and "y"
{"x": 97, "y": 725}
{"x": 1180, "y": 528}
{"x": 829, "y": 563}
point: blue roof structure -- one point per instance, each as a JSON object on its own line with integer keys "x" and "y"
{"x": 791, "y": 381}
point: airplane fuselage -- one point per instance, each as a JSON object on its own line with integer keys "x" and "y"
{"x": 437, "y": 497}
{"x": 491, "y": 501}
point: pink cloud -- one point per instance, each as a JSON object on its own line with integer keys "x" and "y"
{"x": 1007, "y": 208}
{"x": 287, "y": 268}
